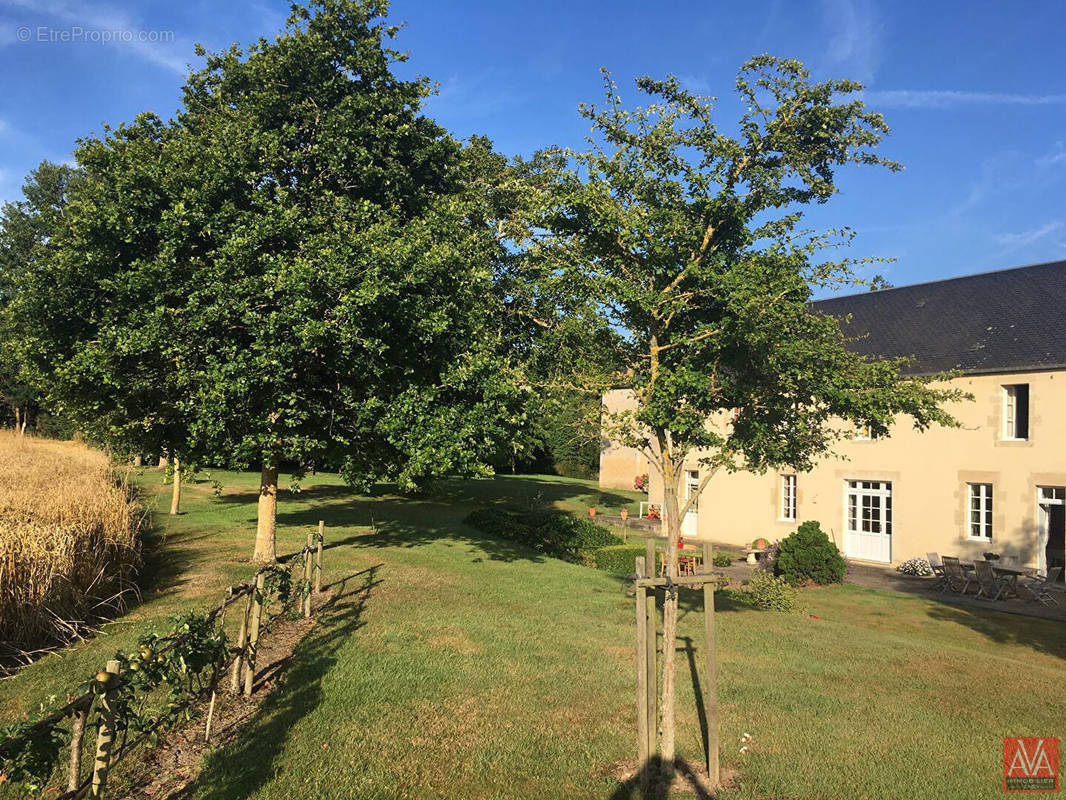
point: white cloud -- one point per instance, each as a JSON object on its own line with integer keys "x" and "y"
{"x": 854, "y": 47}
{"x": 1056, "y": 156}
{"x": 168, "y": 51}
{"x": 1016, "y": 241}
{"x": 948, "y": 98}
{"x": 695, "y": 84}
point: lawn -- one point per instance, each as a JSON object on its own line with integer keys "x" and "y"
{"x": 458, "y": 666}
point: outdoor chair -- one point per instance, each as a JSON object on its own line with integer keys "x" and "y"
{"x": 989, "y": 584}
{"x": 955, "y": 577}
{"x": 938, "y": 570}
{"x": 1040, "y": 590}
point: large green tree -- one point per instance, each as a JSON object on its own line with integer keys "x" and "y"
{"x": 27, "y": 227}
{"x": 687, "y": 240}
{"x": 301, "y": 259}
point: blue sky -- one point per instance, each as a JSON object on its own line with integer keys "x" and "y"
{"x": 975, "y": 93}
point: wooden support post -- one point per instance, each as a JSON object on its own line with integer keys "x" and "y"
{"x": 318, "y": 555}
{"x": 307, "y": 575}
{"x": 653, "y": 649}
{"x": 242, "y": 642}
{"x": 642, "y": 678}
{"x": 256, "y": 617}
{"x": 210, "y": 717}
{"x": 105, "y": 738}
{"x": 77, "y": 736}
{"x": 710, "y": 691}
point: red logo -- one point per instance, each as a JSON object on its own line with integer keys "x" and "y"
{"x": 1030, "y": 764}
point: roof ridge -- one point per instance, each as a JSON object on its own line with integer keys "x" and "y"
{"x": 968, "y": 276}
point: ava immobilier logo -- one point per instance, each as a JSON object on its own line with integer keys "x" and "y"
{"x": 1030, "y": 764}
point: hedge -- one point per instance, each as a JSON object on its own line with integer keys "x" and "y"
{"x": 616, "y": 559}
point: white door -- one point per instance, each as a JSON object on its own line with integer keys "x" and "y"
{"x": 868, "y": 527}
{"x": 690, "y": 525}
{"x": 1050, "y": 500}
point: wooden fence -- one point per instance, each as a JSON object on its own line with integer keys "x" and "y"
{"x": 107, "y": 686}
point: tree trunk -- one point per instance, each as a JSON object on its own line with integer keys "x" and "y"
{"x": 138, "y": 461}
{"x": 672, "y": 524}
{"x": 175, "y": 495}
{"x": 266, "y": 524}
{"x": 18, "y": 421}
{"x": 163, "y": 462}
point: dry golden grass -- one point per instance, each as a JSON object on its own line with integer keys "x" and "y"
{"x": 69, "y": 540}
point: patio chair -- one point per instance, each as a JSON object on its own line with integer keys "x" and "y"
{"x": 1040, "y": 591}
{"x": 989, "y": 584}
{"x": 955, "y": 577}
{"x": 938, "y": 570}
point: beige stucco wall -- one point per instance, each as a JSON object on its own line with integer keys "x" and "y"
{"x": 929, "y": 474}
{"x": 619, "y": 465}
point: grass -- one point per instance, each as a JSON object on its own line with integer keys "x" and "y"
{"x": 68, "y": 538}
{"x": 458, "y": 666}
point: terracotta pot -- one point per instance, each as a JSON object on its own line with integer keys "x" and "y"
{"x": 592, "y": 511}
{"x": 625, "y": 514}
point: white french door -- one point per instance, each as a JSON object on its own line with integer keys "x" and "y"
{"x": 1050, "y": 548}
{"x": 690, "y": 525}
{"x": 868, "y": 523}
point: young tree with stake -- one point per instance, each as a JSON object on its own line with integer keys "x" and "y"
{"x": 687, "y": 241}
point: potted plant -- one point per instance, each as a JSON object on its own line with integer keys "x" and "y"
{"x": 592, "y": 511}
{"x": 625, "y": 514}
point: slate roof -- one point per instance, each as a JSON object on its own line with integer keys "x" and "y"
{"x": 1006, "y": 321}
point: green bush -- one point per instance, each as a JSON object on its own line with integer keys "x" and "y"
{"x": 808, "y": 555}
{"x": 618, "y": 559}
{"x": 771, "y": 592}
{"x": 554, "y": 534}
{"x": 722, "y": 559}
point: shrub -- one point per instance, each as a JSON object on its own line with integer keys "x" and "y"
{"x": 69, "y": 539}
{"x": 722, "y": 559}
{"x": 772, "y": 593}
{"x": 640, "y": 483}
{"x": 808, "y": 555}
{"x": 555, "y": 534}
{"x": 915, "y": 566}
{"x": 618, "y": 559}
{"x": 768, "y": 560}
{"x": 760, "y": 544}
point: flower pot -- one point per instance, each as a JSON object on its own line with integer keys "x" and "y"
{"x": 592, "y": 511}
{"x": 625, "y": 514}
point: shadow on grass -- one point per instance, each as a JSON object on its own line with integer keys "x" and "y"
{"x": 1043, "y": 635}
{"x": 248, "y": 763}
{"x": 655, "y": 788}
{"x": 398, "y": 521}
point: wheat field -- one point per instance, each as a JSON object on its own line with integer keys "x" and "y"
{"x": 69, "y": 541}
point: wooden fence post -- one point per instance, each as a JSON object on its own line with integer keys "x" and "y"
{"x": 653, "y": 672}
{"x": 77, "y": 735}
{"x": 642, "y": 677}
{"x": 105, "y": 738}
{"x": 256, "y": 614}
{"x": 307, "y": 576}
{"x": 318, "y": 555}
{"x": 710, "y": 691}
{"x": 242, "y": 642}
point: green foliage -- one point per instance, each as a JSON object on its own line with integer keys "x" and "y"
{"x": 300, "y": 265}
{"x": 772, "y": 593}
{"x": 809, "y": 556}
{"x": 554, "y": 534}
{"x": 687, "y": 239}
{"x": 722, "y": 558}
{"x": 618, "y": 559}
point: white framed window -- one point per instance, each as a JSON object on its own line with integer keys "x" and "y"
{"x": 869, "y": 507}
{"x": 692, "y": 489}
{"x": 1016, "y": 411}
{"x": 788, "y": 498}
{"x": 980, "y": 526}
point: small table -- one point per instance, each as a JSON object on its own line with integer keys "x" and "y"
{"x": 1010, "y": 573}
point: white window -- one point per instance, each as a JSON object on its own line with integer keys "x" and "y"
{"x": 692, "y": 489}
{"x": 981, "y": 511}
{"x": 870, "y": 507}
{"x": 788, "y": 498}
{"x": 1016, "y": 411}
